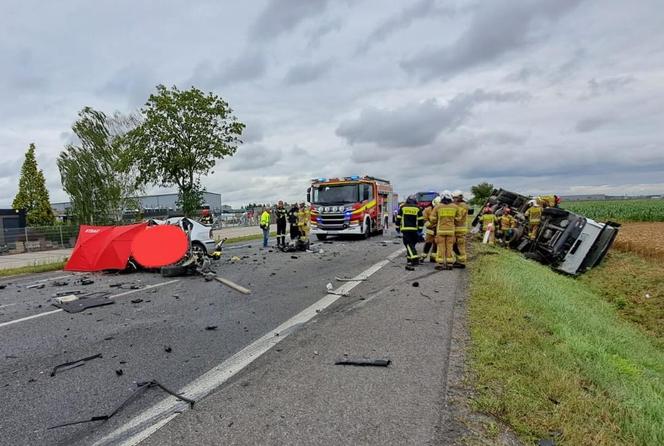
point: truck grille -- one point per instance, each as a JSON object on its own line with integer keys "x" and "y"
{"x": 332, "y": 221}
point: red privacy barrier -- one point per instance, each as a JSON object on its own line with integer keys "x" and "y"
{"x": 159, "y": 246}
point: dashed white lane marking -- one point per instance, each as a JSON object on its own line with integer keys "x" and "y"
{"x": 152, "y": 419}
{"x": 46, "y": 313}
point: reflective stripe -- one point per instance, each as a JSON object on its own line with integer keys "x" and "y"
{"x": 447, "y": 212}
{"x": 461, "y": 230}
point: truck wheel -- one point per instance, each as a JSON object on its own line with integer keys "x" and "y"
{"x": 321, "y": 236}
{"x": 367, "y": 229}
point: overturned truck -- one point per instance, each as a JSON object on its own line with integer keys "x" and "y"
{"x": 568, "y": 242}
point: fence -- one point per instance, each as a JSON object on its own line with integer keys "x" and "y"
{"x": 39, "y": 238}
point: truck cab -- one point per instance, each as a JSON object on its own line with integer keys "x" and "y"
{"x": 350, "y": 205}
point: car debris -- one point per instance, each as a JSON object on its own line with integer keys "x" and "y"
{"x": 211, "y": 327}
{"x": 67, "y": 293}
{"x": 136, "y": 301}
{"x": 233, "y": 285}
{"x": 168, "y": 349}
{"x": 141, "y": 387}
{"x": 341, "y": 279}
{"x": 363, "y": 361}
{"x": 60, "y": 283}
{"x": 73, "y": 364}
{"x": 83, "y": 302}
{"x": 35, "y": 286}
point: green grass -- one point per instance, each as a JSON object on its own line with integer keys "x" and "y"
{"x": 32, "y": 269}
{"x": 245, "y": 238}
{"x": 619, "y": 210}
{"x": 549, "y": 355}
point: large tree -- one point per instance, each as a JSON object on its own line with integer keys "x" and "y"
{"x": 182, "y": 136}
{"x": 32, "y": 194}
{"x": 481, "y": 193}
{"x": 99, "y": 172}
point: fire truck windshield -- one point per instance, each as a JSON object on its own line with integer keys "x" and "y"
{"x": 343, "y": 193}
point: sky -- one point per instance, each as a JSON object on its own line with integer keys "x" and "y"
{"x": 536, "y": 96}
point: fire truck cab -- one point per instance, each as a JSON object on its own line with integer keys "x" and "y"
{"x": 350, "y": 205}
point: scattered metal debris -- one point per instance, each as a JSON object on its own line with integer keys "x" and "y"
{"x": 67, "y": 293}
{"x": 36, "y": 286}
{"x": 233, "y": 285}
{"x": 362, "y": 361}
{"x": 83, "y": 302}
{"x": 136, "y": 301}
{"x": 60, "y": 283}
{"x": 340, "y": 279}
{"x": 86, "y": 281}
{"x": 168, "y": 349}
{"x": 211, "y": 327}
{"x": 119, "y": 372}
{"x": 142, "y": 387}
{"x": 73, "y": 364}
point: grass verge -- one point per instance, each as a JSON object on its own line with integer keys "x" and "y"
{"x": 552, "y": 358}
{"x": 31, "y": 269}
{"x": 246, "y": 238}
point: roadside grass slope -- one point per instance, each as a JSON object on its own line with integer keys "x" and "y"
{"x": 553, "y": 359}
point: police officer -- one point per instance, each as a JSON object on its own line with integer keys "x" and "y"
{"x": 410, "y": 222}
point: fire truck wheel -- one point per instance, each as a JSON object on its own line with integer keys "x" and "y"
{"x": 367, "y": 229}
{"x": 321, "y": 236}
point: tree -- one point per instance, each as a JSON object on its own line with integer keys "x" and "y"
{"x": 100, "y": 174}
{"x": 481, "y": 193}
{"x": 32, "y": 194}
{"x": 182, "y": 136}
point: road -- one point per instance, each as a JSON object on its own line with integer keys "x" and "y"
{"x": 164, "y": 337}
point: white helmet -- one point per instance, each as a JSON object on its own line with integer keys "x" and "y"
{"x": 457, "y": 193}
{"x": 446, "y": 195}
{"x": 436, "y": 201}
{"x": 533, "y": 202}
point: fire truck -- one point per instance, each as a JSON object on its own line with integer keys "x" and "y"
{"x": 350, "y": 205}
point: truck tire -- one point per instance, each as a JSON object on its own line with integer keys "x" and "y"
{"x": 367, "y": 229}
{"x": 173, "y": 271}
{"x": 321, "y": 236}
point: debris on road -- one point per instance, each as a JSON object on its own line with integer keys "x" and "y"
{"x": 83, "y": 302}
{"x": 340, "y": 279}
{"x": 86, "y": 281}
{"x": 73, "y": 364}
{"x": 136, "y": 301}
{"x": 60, "y": 283}
{"x": 233, "y": 285}
{"x": 66, "y": 298}
{"x": 362, "y": 361}
{"x": 119, "y": 372}
{"x": 168, "y": 349}
{"x": 67, "y": 293}
{"x": 35, "y": 286}
{"x": 211, "y": 327}
{"x": 416, "y": 284}
{"x": 142, "y": 387}
{"x": 329, "y": 286}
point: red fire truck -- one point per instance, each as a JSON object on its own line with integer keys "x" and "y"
{"x": 350, "y": 205}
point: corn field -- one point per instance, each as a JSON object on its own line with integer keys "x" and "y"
{"x": 619, "y": 210}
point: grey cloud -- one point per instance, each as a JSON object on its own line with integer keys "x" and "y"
{"x": 590, "y": 124}
{"x": 249, "y": 65}
{"x": 402, "y": 20}
{"x": 316, "y": 35}
{"x": 306, "y": 72}
{"x": 282, "y": 16}
{"x": 135, "y": 83}
{"x": 416, "y": 125}
{"x": 497, "y": 28}
{"x": 608, "y": 85}
{"x": 252, "y": 133}
{"x": 254, "y": 157}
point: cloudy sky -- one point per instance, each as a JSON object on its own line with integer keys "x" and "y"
{"x": 560, "y": 96}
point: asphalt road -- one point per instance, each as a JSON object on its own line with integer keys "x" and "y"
{"x": 133, "y": 337}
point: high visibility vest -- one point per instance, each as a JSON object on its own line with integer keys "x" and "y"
{"x": 461, "y": 220}
{"x": 488, "y": 219}
{"x": 534, "y": 214}
{"x": 443, "y": 217}
{"x": 265, "y": 219}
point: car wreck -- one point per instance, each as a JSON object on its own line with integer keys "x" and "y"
{"x": 568, "y": 242}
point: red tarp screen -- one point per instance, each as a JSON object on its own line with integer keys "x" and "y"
{"x": 100, "y": 248}
{"x": 159, "y": 246}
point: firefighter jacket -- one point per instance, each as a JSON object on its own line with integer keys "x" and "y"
{"x": 265, "y": 220}
{"x": 281, "y": 214}
{"x": 428, "y": 228}
{"x": 488, "y": 219}
{"x": 410, "y": 218}
{"x": 547, "y": 200}
{"x": 292, "y": 215}
{"x": 303, "y": 217}
{"x": 534, "y": 214}
{"x": 443, "y": 218}
{"x": 461, "y": 220}
{"x": 507, "y": 222}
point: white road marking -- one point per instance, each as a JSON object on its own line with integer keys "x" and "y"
{"x": 46, "y": 313}
{"x": 152, "y": 419}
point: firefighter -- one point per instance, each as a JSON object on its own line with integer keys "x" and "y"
{"x": 292, "y": 220}
{"x": 410, "y": 222}
{"x": 460, "y": 229}
{"x": 429, "y": 232}
{"x": 506, "y": 223}
{"x": 489, "y": 224}
{"x": 534, "y": 215}
{"x": 548, "y": 201}
{"x": 303, "y": 222}
{"x": 443, "y": 218}
{"x": 281, "y": 215}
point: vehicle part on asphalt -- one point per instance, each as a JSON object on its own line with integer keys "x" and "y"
{"x": 60, "y": 283}
{"x": 66, "y": 298}
{"x": 159, "y": 246}
{"x": 136, "y": 301}
{"x": 167, "y": 348}
{"x": 174, "y": 270}
{"x": 142, "y": 387}
{"x": 339, "y": 279}
{"x": 73, "y": 364}
{"x": 416, "y": 284}
{"x": 362, "y": 361}
{"x": 67, "y": 293}
{"x": 86, "y": 281}
{"x": 211, "y": 327}
{"x": 85, "y": 301}
{"x": 233, "y": 285}
{"x": 36, "y": 286}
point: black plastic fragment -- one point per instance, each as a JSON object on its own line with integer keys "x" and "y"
{"x": 361, "y": 361}
{"x": 73, "y": 364}
{"x": 119, "y": 372}
{"x": 168, "y": 349}
{"x": 211, "y": 327}
{"x": 86, "y": 281}
{"x": 136, "y": 301}
{"x": 85, "y": 301}
{"x": 416, "y": 284}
